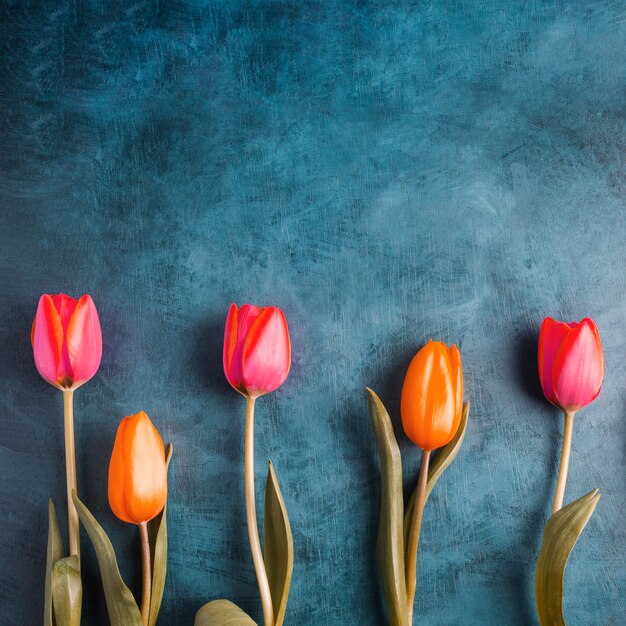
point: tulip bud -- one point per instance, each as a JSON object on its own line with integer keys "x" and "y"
{"x": 432, "y": 396}
{"x": 66, "y": 340}
{"x": 257, "y": 351}
{"x": 137, "y": 472}
{"x": 571, "y": 365}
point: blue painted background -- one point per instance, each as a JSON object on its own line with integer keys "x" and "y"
{"x": 384, "y": 172}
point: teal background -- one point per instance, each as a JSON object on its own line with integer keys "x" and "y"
{"x": 385, "y": 173}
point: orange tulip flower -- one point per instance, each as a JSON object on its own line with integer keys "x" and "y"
{"x": 432, "y": 396}
{"x": 137, "y": 472}
{"x": 431, "y": 407}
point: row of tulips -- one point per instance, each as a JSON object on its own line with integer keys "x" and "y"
{"x": 571, "y": 368}
{"x": 67, "y": 346}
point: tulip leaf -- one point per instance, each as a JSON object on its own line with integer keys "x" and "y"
{"x": 121, "y": 605}
{"x": 157, "y": 533}
{"x": 390, "y": 544}
{"x": 442, "y": 460}
{"x": 54, "y": 553}
{"x": 222, "y": 613}
{"x": 278, "y": 546}
{"x": 559, "y": 538}
{"x": 67, "y": 591}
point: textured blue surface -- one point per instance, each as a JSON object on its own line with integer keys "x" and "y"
{"x": 384, "y": 172}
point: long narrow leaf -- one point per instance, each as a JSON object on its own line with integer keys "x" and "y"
{"x": 222, "y": 613}
{"x": 559, "y": 538}
{"x": 442, "y": 460}
{"x": 278, "y": 546}
{"x": 67, "y": 591}
{"x": 54, "y": 553}
{"x": 123, "y": 610}
{"x": 390, "y": 543}
{"x": 157, "y": 532}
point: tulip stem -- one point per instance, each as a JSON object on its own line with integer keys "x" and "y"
{"x": 414, "y": 534}
{"x": 565, "y": 453}
{"x": 253, "y": 531}
{"x": 70, "y": 471}
{"x": 147, "y": 573}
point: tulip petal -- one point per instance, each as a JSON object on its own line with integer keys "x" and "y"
{"x": 47, "y": 340}
{"x": 230, "y": 343}
{"x": 457, "y": 379}
{"x": 117, "y": 499}
{"x": 551, "y": 336}
{"x": 579, "y": 367}
{"x": 83, "y": 339}
{"x": 266, "y": 355}
{"x": 145, "y": 479}
{"x": 442, "y": 400}
{"x": 65, "y": 306}
{"x": 238, "y": 323}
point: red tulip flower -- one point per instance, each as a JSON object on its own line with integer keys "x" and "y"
{"x": 571, "y": 367}
{"x": 67, "y": 340}
{"x": 570, "y": 363}
{"x": 257, "y": 358}
{"x": 67, "y": 346}
{"x": 257, "y": 350}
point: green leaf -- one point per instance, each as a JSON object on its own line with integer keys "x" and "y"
{"x": 390, "y": 544}
{"x": 121, "y": 605}
{"x": 278, "y": 546}
{"x": 222, "y": 613}
{"x": 559, "y": 538}
{"x": 54, "y": 553}
{"x": 442, "y": 460}
{"x": 67, "y": 591}
{"x": 157, "y": 532}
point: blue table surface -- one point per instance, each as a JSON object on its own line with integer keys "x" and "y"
{"x": 385, "y": 173}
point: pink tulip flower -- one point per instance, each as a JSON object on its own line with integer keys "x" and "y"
{"x": 571, "y": 365}
{"x": 257, "y": 350}
{"x": 66, "y": 340}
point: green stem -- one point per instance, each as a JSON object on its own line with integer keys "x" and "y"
{"x": 414, "y": 534}
{"x": 565, "y": 454}
{"x": 70, "y": 471}
{"x": 253, "y": 531}
{"x": 147, "y": 573}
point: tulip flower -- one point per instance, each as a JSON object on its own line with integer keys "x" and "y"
{"x": 432, "y": 396}
{"x": 257, "y": 351}
{"x": 257, "y": 359}
{"x": 571, "y": 367}
{"x": 138, "y": 485}
{"x": 67, "y": 346}
{"x": 137, "y": 472}
{"x": 431, "y": 406}
{"x": 67, "y": 340}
